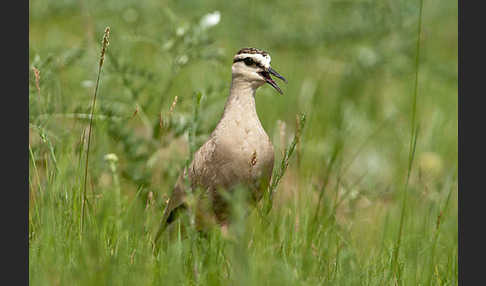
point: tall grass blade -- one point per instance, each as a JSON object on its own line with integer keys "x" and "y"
{"x": 283, "y": 165}
{"x": 104, "y": 46}
{"x": 413, "y": 142}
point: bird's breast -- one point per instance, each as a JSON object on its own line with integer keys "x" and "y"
{"x": 248, "y": 148}
{"x": 237, "y": 153}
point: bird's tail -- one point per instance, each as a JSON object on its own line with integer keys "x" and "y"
{"x": 175, "y": 204}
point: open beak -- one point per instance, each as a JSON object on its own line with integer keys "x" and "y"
{"x": 266, "y": 75}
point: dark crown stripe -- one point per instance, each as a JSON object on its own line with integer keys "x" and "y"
{"x": 252, "y": 51}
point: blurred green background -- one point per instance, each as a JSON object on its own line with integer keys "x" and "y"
{"x": 351, "y": 67}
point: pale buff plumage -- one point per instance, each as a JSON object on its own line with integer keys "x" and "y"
{"x": 238, "y": 151}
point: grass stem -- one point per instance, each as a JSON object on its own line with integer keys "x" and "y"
{"x": 105, "y": 44}
{"x": 413, "y": 143}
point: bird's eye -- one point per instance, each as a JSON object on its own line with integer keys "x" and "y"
{"x": 249, "y": 61}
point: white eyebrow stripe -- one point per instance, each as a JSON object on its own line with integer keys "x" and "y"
{"x": 264, "y": 60}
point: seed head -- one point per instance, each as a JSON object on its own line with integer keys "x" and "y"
{"x": 104, "y": 45}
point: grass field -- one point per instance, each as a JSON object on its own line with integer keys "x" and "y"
{"x": 369, "y": 196}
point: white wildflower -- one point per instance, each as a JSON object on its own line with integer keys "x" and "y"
{"x": 210, "y": 20}
{"x": 87, "y": 83}
{"x": 180, "y": 31}
{"x": 182, "y": 60}
{"x": 111, "y": 157}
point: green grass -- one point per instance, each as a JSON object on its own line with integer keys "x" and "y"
{"x": 367, "y": 195}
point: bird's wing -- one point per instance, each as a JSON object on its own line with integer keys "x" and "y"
{"x": 193, "y": 173}
{"x": 176, "y": 201}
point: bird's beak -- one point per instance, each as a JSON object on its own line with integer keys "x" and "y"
{"x": 266, "y": 75}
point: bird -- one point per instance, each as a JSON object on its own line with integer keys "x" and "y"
{"x": 238, "y": 151}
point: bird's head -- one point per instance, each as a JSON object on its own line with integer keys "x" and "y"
{"x": 253, "y": 65}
